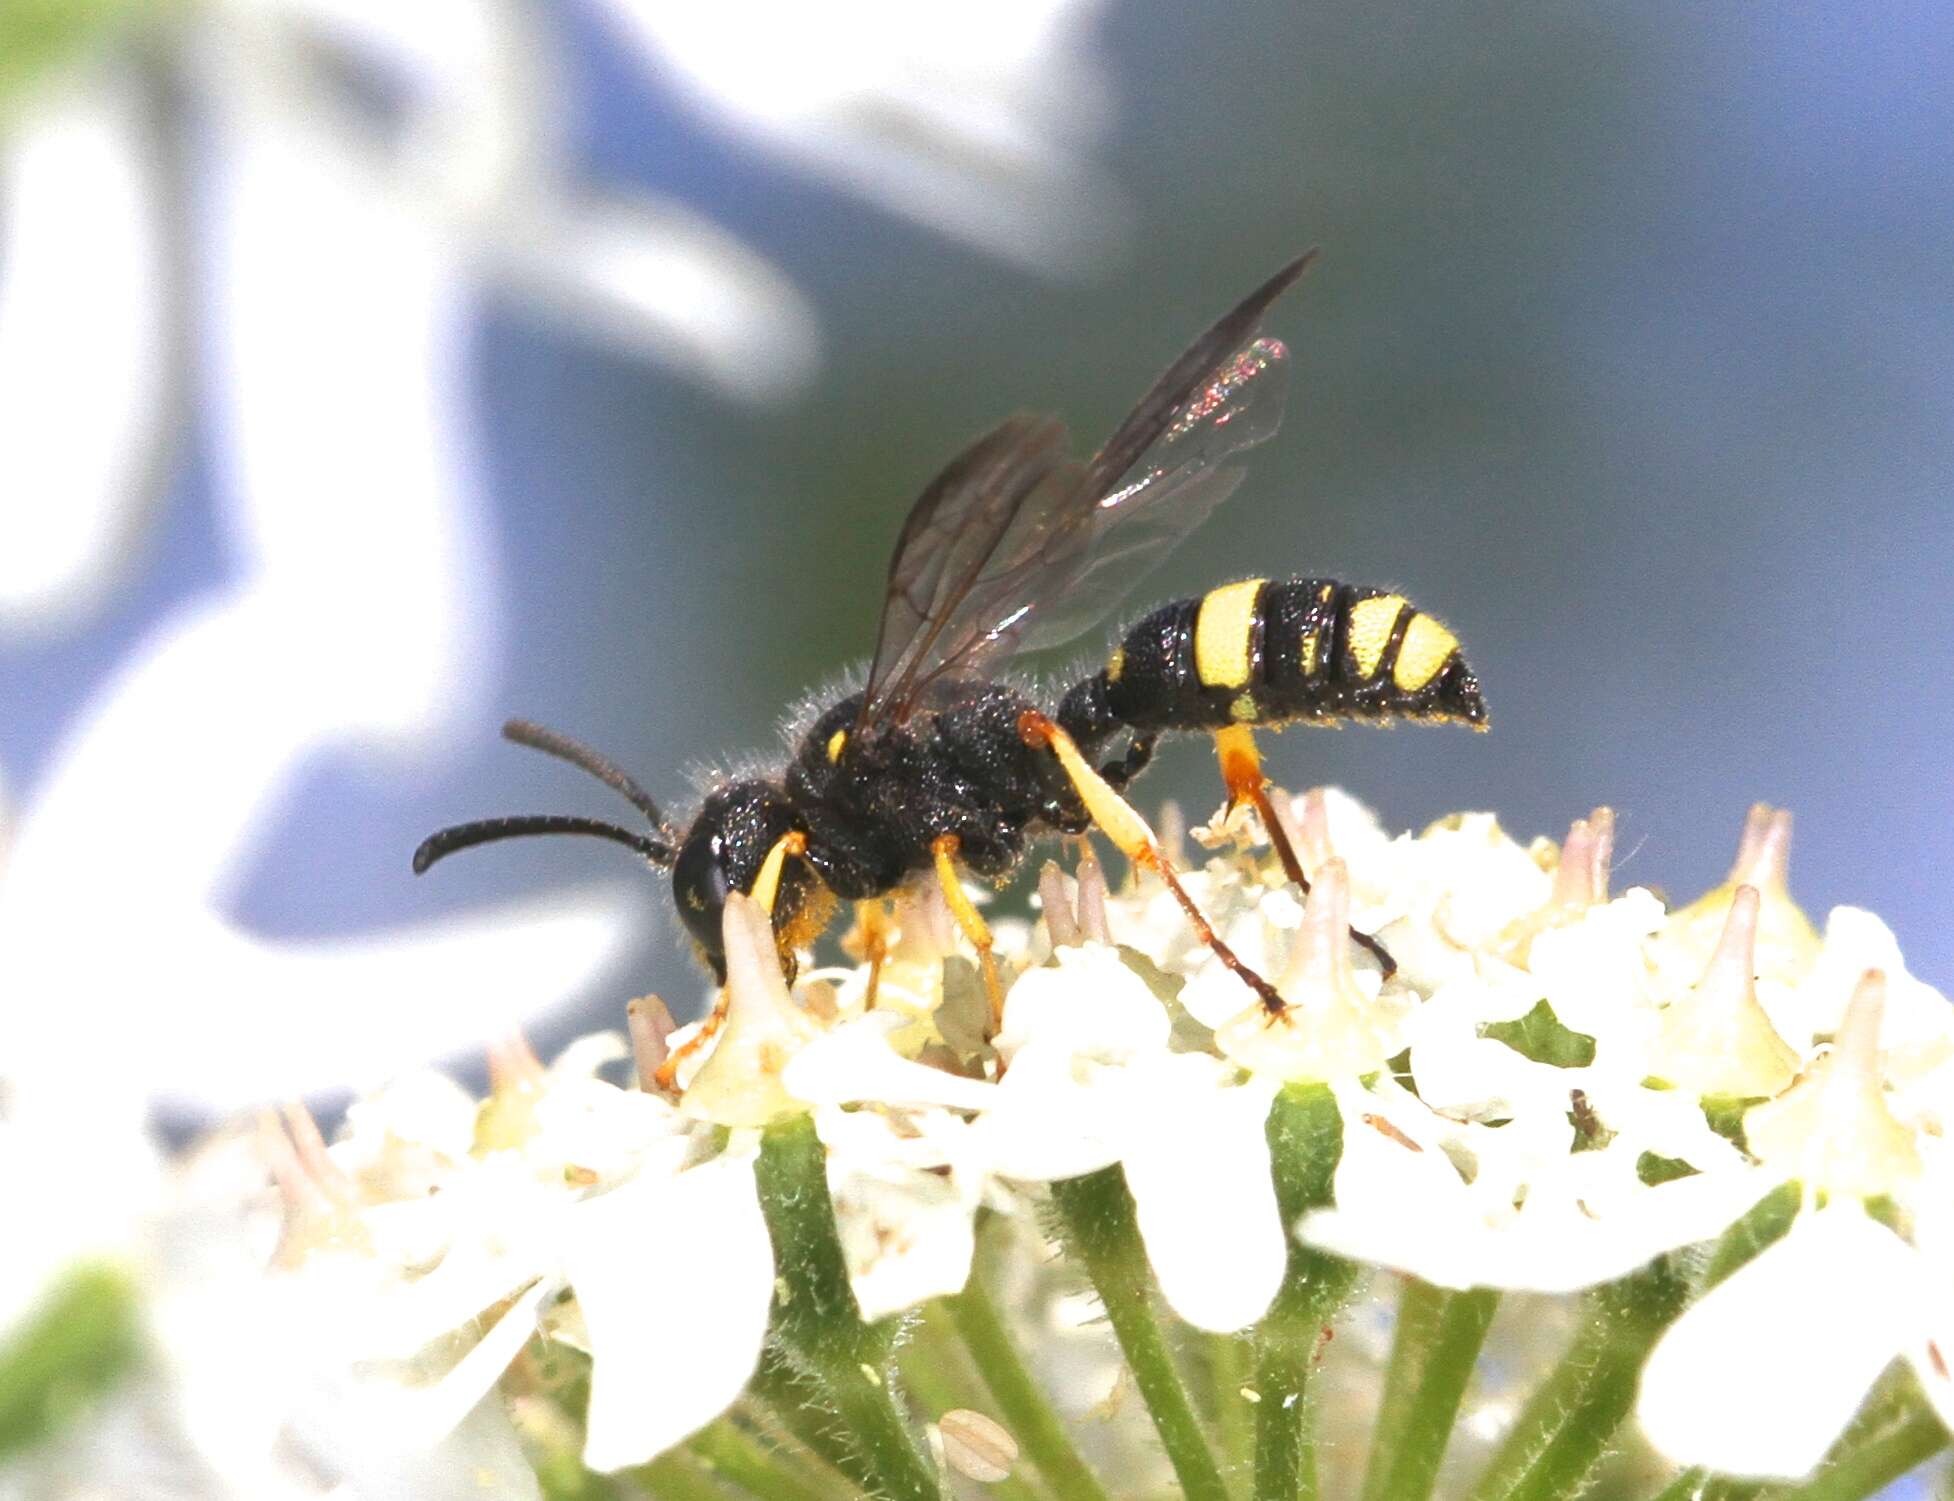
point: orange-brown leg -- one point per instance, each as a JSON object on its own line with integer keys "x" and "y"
{"x": 1241, "y": 771}
{"x": 1119, "y": 822}
{"x": 944, "y": 849}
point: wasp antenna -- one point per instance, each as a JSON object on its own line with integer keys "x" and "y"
{"x": 555, "y": 743}
{"x": 463, "y": 836}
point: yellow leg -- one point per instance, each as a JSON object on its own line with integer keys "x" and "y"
{"x": 944, "y": 849}
{"x": 766, "y": 889}
{"x": 1117, "y": 820}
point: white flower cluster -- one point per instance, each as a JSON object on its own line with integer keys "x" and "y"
{"x": 1555, "y": 1087}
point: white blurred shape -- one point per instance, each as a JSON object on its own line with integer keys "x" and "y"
{"x": 971, "y": 118}
{"x": 650, "y": 276}
{"x": 347, "y": 483}
{"x": 335, "y": 337}
{"x": 110, "y": 913}
{"x": 82, "y": 340}
{"x": 483, "y": 159}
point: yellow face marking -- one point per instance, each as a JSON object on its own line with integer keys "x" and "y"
{"x": 1243, "y": 710}
{"x": 1371, "y": 621}
{"x": 1306, "y": 654}
{"x": 1222, "y": 628}
{"x": 1427, "y": 647}
{"x": 835, "y": 743}
{"x": 1116, "y": 664}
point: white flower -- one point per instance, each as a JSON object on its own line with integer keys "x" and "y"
{"x": 1465, "y": 1205}
{"x": 674, "y": 1335}
{"x": 1716, "y": 1040}
{"x": 1331, "y": 1027}
{"x": 973, "y": 119}
{"x": 1512, "y": 1170}
{"x": 1804, "y": 1329}
{"x": 1454, "y": 891}
{"x": 905, "y": 1198}
{"x": 341, "y": 262}
{"x": 1764, "y": 1373}
{"x": 1090, "y": 1081}
{"x": 567, "y": 1184}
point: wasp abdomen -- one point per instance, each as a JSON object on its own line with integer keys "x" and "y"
{"x": 1272, "y": 652}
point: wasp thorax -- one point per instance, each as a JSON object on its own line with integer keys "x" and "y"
{"x": 726, "y": 850}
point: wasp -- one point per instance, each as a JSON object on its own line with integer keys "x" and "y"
{"x": 938, "y": 764}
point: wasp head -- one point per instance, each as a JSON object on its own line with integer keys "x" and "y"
{"x": 725, "y": 850}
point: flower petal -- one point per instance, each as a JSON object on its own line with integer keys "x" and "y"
{"x": 674, "y": 1278}
{"x": 82, "y": 340}
{"x": 1197, "y": 1162}
{"x": 855, "y": 1062}
{"x": 1765, "y": 1372}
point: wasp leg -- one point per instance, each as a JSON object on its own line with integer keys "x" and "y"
{"x": 766, "y": 888}
{"x": 944, "y": 849}
{"x": 1118, "y": 821}
{"x": 872, "y": 918}
{"x": 1139, "y": 753}
{"x": 1241, "y": 771}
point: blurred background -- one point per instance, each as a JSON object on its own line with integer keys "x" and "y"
{"x": 366, "y": 378}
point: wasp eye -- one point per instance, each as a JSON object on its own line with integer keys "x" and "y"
{"x": 699, "y": 887}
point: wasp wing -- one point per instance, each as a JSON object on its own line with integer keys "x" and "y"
{"x": 1014, "y": 546}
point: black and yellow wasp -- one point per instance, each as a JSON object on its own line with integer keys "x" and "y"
{"x": 936, "y": 763}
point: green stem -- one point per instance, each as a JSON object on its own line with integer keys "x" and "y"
{"x": 734, "y": 1454}
{"x": 1097, "y": 1215}
{"x": 1305, "y": 1134}
{"x": 1868, "y": 1467}
{"x": 1763, "y": 1223}
{"x": 1228, "y": 1372}
{"x": 940, "y": 1380}
{"x": 1569, "y": 1420}
{"x": 677, "y": 1476}
{"x": 1040, "y": 1432}
{"x": 1572, "y": 1416}
{"x": 77, "y": 1343}
{"x": 815, "y": 1316}
{"x": 1701, "y": 1485}
{"x": 1438, "y": 1336}
{"x": 795, "y": 1401}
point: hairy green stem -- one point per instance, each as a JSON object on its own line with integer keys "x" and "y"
{"x": 1571, "y": 1418}
{"x": 795, "y": 1401}
{"x": 1097, "y": 1216}
{"x": 940, "y": 1379}
{"x": 816, "y": 1318}
{"x": 1305, "y": 1134}
{"x": 677, "y": 1476}
{"x": 1040, "y": 1432}
{"x": 1439, "y": 1333}
{"x": 732, "y": 1453}
{"x": 1911, "y": 1437}
{"x": 1701, "y": 1485}
{"x": 1228, "y": 1372}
